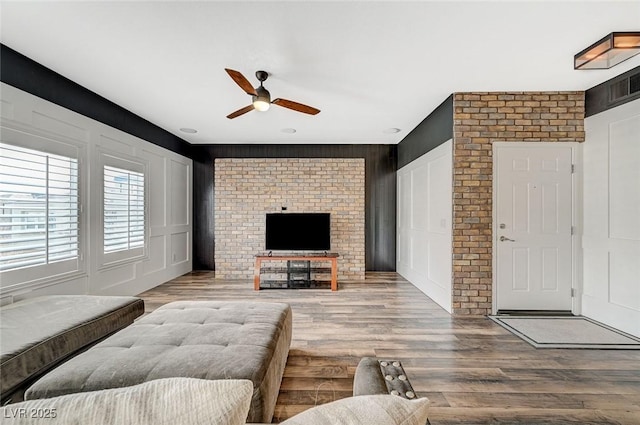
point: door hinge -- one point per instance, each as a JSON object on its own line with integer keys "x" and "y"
{"x": 573, "y": 168}
{"x": 573, "y": 292}
{"x": 572, "y": 230}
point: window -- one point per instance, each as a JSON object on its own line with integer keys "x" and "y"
{"x": 38, "y": 208}
{"x": 124, "y": 217}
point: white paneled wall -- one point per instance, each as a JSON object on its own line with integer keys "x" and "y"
{"x": 611, "y": 218}
{"x": 424, "y": 223}
{"x": 167, "y": 251}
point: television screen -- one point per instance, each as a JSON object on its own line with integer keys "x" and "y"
{"x": 298, "y": 232}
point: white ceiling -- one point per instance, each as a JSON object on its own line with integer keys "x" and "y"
{"x": 368, "y": 65}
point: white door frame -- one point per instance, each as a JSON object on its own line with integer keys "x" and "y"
{"x": 576, "y": 284}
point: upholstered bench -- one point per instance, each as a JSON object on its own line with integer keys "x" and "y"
{"x": 191, "y": 339}
{"x": 39, "y": 333}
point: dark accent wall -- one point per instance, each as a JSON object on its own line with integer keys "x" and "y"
{"x": 597, "y": 99}
{"x": 25, "y": 74}
{"x": 433, "y": 131}
{"x": 380, "y": 194}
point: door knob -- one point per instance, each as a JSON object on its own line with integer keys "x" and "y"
{"x": 503, "y": 239}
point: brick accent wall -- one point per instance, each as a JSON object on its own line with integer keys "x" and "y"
{"x": 479, "y": 120}
{"x": 247, "y": 188}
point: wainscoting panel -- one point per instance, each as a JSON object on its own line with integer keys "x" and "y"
{"x": 180, "y": 207}
{"x": 179, "y": 247}
{"x": 157, "y": 254}
{"x": 424, "y": 225}
{"x": 611, "y": 230}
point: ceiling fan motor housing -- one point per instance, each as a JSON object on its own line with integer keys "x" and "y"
{"x": 263, "y": 95}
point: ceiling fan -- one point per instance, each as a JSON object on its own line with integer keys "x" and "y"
{"x": 261, "y": 96}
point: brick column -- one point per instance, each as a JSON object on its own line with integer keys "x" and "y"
{"x": 479, "y": 120}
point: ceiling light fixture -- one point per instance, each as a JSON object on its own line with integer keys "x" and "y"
{"x": 188, "y": 130}
{"x": 609, "y": 51}
{"x": 391, "y": 130}
{"x": 288, "y": 130}
{"x": 261, "y": 98}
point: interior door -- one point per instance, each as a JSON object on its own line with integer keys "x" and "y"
{"x": 532, "y": 236}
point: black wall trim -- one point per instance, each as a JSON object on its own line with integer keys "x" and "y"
{"x": 380, "y": 194}
{"x": 597, "y": 99}
{"x": 433, "y": 131}
{"x": 25, "y": 74}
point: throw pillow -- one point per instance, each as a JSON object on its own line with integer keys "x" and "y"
{"x": 170, "y": 401}
{"x": 365, "y": 410}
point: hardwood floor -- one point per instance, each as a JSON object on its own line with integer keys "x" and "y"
{"x": 472, "y": 370}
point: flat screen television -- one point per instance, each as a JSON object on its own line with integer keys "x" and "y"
{"x": 298, "y": 232}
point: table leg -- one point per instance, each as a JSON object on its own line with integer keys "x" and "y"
{"x": 256, "y": 275}
{"x": 334, "y": 274}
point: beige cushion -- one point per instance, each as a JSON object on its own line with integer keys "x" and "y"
{"x": 365, "y": 410}
{"x": 171, "y": 401}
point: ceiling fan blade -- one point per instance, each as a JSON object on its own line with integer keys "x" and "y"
{"x": 241, "y": 81}
{"x": 240, "y": 112}
{"x": 296, "y": 106}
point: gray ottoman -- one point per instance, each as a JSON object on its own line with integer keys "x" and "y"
{"x": 196, "y": 339}
{"x": 39, "y": 333}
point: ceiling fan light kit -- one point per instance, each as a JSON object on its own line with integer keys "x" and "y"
{"x": 261, "y": 98}
{"x": 608, "y": 51}
{"x": 262, "y": 101}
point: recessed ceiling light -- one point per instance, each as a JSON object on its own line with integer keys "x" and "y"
{"x": 188, "y": 130}
{"x": 391, "y": 130}
{"x": 288, "y": 130}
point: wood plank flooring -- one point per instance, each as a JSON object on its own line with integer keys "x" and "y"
{"x": 472, "y": 370}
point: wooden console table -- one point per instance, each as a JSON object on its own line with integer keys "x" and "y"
{"x": 332, "y": 257}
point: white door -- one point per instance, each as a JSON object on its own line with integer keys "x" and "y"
{"x": 532, "y": 233}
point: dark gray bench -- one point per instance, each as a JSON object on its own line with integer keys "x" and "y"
{"x": 190, "y": 339}
{"x": 39, "y": 333}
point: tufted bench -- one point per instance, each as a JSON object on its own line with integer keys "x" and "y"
{"x": 39, "y": 333}
{"x": 192, "y": 339}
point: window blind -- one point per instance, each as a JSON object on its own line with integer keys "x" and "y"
{"x": 38, "y": 207}
{"x": 123, "y": 209}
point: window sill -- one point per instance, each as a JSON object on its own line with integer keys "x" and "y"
{"x": 108, "y": 265}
